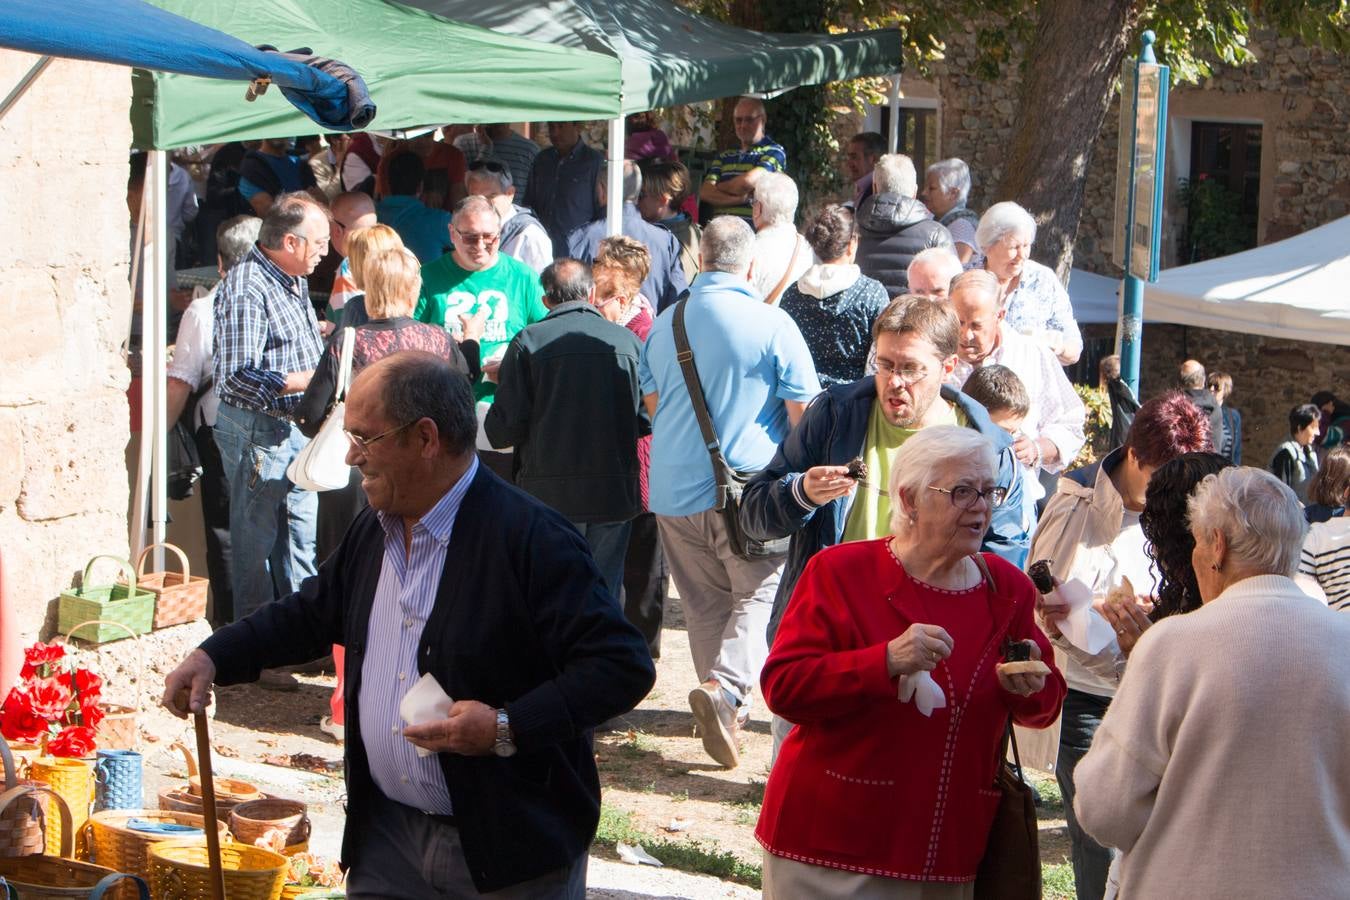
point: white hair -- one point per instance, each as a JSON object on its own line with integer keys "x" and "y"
{"x": 894, "y": 174}
{"x": 952, "y": 175}
{"x": 947, "y": 262}
{"x": 632, "y": 181}
{"x": 1001, "y": 220}
{"x": 776, "y": 195}
{"x": 916, "y": 464}
{"x": 728, "y": 245}
{"x": 1258, "y": 515}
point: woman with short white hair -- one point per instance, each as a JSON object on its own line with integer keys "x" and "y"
{"x": 946, "y": 187}
{"x": 1220, "y": 769}
{"x": 889, "y": 663}
{"x": 781, "y": 254}
{"x": 1034, "y": 301}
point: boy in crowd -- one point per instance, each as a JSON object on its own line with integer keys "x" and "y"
{"x": 1005, "y": 398}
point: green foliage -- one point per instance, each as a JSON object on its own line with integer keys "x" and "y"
{"x": 1057, "y": 882}
{"x": 1096, "y": 427}
{"x": 1215, "y": 225}
{"x": 617, "y": 826}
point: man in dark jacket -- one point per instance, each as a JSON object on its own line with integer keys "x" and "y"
{"x": 893, "y": 226}
{"x": 806, "y": 492}
{"x": 454, "y": 574}
{"x": 1193, "y": 383}
{"x": 570, "y": 403}
{"x": 665, "y": 280}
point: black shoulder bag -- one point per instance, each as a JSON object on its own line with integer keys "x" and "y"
{"x": 1011, "y": 866}
{"x": 730, "y": 482}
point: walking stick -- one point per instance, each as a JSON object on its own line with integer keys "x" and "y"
{"x": 208, "y": 799}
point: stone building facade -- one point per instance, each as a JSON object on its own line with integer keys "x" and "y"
{"x": 66, "y": 308}
{"x": 1298, "y": 96}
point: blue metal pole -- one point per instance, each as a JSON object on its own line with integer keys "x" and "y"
{"x": 1130, "y": 329}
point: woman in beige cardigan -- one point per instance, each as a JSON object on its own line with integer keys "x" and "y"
{"x": 1220, "y": 768}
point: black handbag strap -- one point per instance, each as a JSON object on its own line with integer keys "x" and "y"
{"x": 685, "y": 356}
{"x": 1009, "y": 738}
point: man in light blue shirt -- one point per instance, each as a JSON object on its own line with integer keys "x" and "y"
{"x": 757, "y": 378}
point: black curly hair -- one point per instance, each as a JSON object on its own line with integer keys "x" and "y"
{"x": 1169, "y": 541}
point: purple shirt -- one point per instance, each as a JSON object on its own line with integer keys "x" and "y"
{"x": 404, "y": 598}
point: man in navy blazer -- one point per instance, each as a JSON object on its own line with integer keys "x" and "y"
{"x": 451, "y": 573}
{"x": 665, "y": 280}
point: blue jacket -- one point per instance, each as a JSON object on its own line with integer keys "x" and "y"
{"x": 832, "y": 433}
{"x": 665, "y": 281}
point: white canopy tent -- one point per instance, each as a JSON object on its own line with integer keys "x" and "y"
{"x": 1297, "y": 289}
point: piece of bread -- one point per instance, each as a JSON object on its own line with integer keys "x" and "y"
{"x": 1025, "y": 667}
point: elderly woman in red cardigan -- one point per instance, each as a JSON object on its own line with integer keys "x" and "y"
{"x": 889, "y": 663}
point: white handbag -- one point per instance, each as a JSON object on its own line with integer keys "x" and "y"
{"x": 322, "y": 464}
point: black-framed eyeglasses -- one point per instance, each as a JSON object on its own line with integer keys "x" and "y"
{"x": 964, "y": 496}
{"x": 363, "y": 444}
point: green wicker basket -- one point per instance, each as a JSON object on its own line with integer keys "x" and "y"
{"x": 121, "y": 603}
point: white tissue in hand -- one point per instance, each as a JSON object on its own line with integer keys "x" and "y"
{"x": 924, "y": 691}
{"x": 425, "y": 702}
{"x": 1084, "y": 627}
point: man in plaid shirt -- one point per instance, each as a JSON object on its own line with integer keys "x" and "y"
{"x": 267, "y": 344}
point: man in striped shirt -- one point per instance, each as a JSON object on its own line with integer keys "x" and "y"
{"x": 456, "y": 576}
{"x": 729, "y": 185}
{"x": 267, "y": 344}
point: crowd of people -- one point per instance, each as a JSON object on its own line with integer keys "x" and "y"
{"x": 843, "y": 444}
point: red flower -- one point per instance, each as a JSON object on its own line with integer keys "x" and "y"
{"x": 18, "y": 722}
{"x": 75, "y": 741}
{"x": 50, "y": 698}
{"x": 84, "y": 683}
{"x": 40, "y": 654}
{"x": 91, "y": 715}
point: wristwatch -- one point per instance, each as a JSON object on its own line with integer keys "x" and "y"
{"x": 505, "y": 746}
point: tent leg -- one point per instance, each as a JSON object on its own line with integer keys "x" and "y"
{"x": 24, "y": 84}
{"x": 614, "y": 179}
{"x": 154, "y": 354}
{"x": 893, "y": 132}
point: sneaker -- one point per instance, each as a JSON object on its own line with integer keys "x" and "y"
{"x": 332, "y": 729}
{"x": 278, "y": 680}
{"x": 717, "y": 724}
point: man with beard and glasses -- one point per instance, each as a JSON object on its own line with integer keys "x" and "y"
{"x": 807, "y": 491}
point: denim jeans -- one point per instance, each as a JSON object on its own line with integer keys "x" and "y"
{"x": 272, "y": 522}
{"x": 609, "y": 542}
{"x": 1078, "y": 723}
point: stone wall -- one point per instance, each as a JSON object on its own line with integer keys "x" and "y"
{"x": 65, "y": 305}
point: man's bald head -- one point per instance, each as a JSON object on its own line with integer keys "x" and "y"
{"x": 931, "y": 271}
{"x": 347, "y": 213}
{"x": 1192, "y": 375}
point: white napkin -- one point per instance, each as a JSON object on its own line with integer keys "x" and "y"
{"x": 924, "y": 691}
{"x": 426, "y": 701}
{"x": 1084, "y": 627}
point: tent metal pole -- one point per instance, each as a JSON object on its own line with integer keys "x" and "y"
{"x": 24, "y": 84}
{"x": 614, "y": 179}
{"x": 157, "y": 177}
{"x": 893, "y": 131}
{"x": 140, "y": 261}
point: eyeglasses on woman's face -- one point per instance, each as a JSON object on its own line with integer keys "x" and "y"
{"x": 963, "y": 496}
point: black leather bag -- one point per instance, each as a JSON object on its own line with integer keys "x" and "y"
{"x": 730, "y": 482}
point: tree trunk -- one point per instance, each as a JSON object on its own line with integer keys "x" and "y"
{"x": 1066, "y": 90}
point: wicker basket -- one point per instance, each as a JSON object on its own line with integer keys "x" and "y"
{"x": 122, "y": 603}
{"x": 73, "y": 781}
{"x": 25, "y": 813}
{"x": 180, "y": 799}
{"x": 297, "y": 892}
{"x": 24, "y": 754}
{"x": 111, "y": 843}
{"x": 251, "y": 820}
{"x": 118, "y": 730}
{"x": 182, "y": 872}
{"x": 49, "y": 878}
{"x": 179, "y": 596}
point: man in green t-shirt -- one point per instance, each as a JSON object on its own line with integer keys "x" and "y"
{"x": 474, "y": 276}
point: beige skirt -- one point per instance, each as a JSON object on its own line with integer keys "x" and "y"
{"x": 787, "y": 879}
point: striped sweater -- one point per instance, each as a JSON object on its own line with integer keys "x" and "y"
{"x": 1326, "y": 557}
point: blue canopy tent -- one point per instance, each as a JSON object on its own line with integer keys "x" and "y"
{"x": 134, "y": 33}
